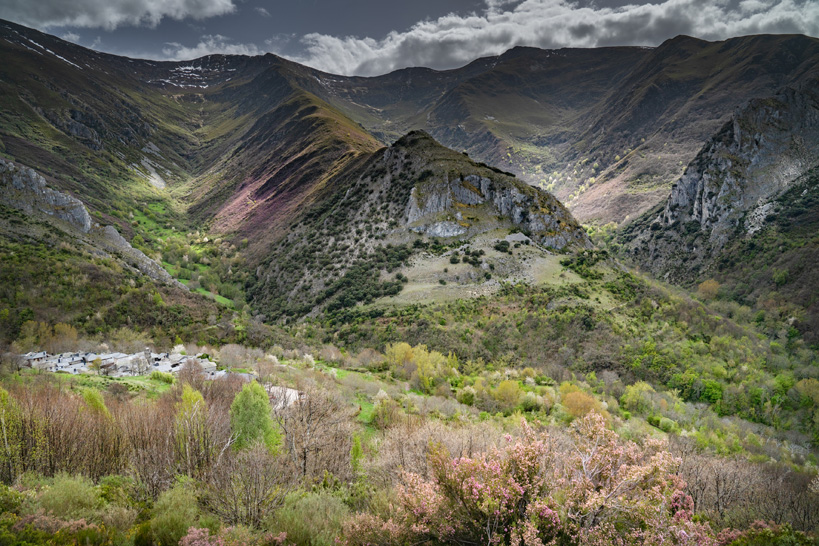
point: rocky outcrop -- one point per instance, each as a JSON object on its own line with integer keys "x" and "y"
{"x": 24, "y": 189}
{"x": 728, "y": 190}
{"x": 501, "y": 199}
{"x": 452, "y": 196}
{"x": 78, "y": 125}
{"x": 109, "y": 239}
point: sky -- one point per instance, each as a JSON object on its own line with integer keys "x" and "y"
{"x": 371, "y": 37}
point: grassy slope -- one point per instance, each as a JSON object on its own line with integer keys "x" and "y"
{"x": 49, "y": 276}
{"x": 616, "y": 322}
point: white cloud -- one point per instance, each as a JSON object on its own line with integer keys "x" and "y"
{"x": 71, "y": 37}
{"x": 108, "y": 14}
{"x": 263, "y": 12}
{"x": 208, "y": 45}
{"x": 453, "y": 40}
{"x": 754, "y": 6}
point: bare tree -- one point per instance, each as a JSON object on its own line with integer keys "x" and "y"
{"x": 149, "y": 433}
{"x": 245, "y": 487}
{"x": 203, "y": 433}
{"x": 317, "y": 433}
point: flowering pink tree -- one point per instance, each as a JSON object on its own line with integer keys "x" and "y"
{"x": 616, "y": 491}
{"x": 604, "y": 491}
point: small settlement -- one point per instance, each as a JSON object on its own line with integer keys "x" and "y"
{"x": 117, "y": 364}
{"x": 144, "y": 363}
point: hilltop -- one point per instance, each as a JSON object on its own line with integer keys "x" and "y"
{"x": 365, "y": 239}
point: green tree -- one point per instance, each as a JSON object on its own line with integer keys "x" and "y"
{"x": 95, "y": 366}
{"x": 95, "y": 403}
{"x": 251, "y": 420}
{"x": 636, "y": 398}
{"x": 508, "y": 394}
{"x": 193, "y": 440}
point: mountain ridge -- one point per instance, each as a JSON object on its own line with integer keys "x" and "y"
{"x": 602, "y": 151}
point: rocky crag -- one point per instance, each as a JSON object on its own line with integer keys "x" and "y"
{"x": 729, "y": 190}
{"x": 447, "y": 202}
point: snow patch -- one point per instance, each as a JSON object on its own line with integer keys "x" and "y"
{"x": 49, "y": 51}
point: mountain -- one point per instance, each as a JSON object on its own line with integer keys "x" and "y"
{"x": 229, "y": 137}
{"x": 745, "y": 210}
{"x": 411, "y": 210}
{"x": 219, "y": 170}
{"x": 224, "y": 169}
{"x": 608, "y": 130}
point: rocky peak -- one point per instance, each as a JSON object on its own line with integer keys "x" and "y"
{"x": 454, "y": 197}
{"x": 754, "y": 157}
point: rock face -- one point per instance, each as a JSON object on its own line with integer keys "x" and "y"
{"x": 26, "y": 190}
{"x": 450, "y": 203}
{"x": 23, "y": 188}
{"x": 728, "y": 190}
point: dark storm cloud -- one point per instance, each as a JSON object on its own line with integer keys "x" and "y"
{"x": 108, "y": 14}
{"x": 453, "y": 40}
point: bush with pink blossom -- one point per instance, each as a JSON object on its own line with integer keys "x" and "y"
{"x": 598, "y": 490}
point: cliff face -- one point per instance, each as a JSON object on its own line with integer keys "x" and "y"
{"x": 448, "y": 200}
{"x": 729, "y": 189}
{"x": 24, "y": 189}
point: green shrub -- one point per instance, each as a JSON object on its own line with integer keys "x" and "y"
{"x": 117, "y": 490}
{"x": 313, "y": 519}
{"x": 143, "y": 536}
{"x": 667, "y": 425}
{"x": 121, "y": 518}
{"x": 10, "y": 500}
{"x": 174, "y": 512}
{"x": 95, "y": 402}
{"x": 71, "y": 497}
{"x": 163, "y": 377}
{"x": 531, "y": 402}
{"x": 466, "y": 396}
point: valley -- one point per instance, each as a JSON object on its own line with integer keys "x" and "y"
{"x": 487, "y": 276}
